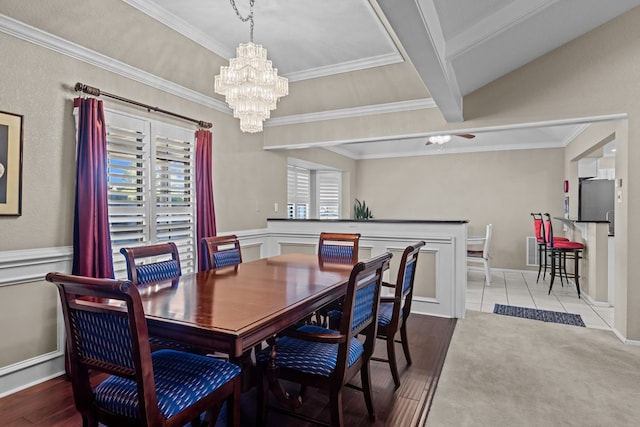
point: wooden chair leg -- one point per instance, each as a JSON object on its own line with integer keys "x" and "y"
{"x": 262, "y": 398}
{"x": 391, "y": 355}
{"x": 233, "y": 406}
{"x": 335, "y": 403}
{"x": 365, "y": 377}
{"x": 405, "y": 342}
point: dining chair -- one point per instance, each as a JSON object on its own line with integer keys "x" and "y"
{"x": 395, "y": 310}
{"x": 325, "y": 358}
{"x": 155, "y": 263}
{"x": 106, "y": 331}
{"x": 152, "y": 263}
{"x": 337, "y": 248}
{"x": 482, "y": 256}
{"x": 221, "y": 251}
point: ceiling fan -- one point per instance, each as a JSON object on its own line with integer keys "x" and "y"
{"x": 441, "y": 139}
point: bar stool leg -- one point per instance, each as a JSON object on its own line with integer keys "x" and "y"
{"x": 553, "y": 270}
{"x": 540, "y": 263}
{"x": 575, "y": 270}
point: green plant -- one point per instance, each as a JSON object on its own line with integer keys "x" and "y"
{"x": 361, "y": 210}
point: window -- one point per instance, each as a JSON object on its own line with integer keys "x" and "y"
{"x": 313, "y": 193}
{"x": 298, "y": 192}
{"x": 151, "y": 175}
{"x": 328, "y": 190}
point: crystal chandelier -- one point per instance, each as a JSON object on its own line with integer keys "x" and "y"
{"x": 250, "y": 84}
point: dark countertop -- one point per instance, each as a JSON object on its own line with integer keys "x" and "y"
{"x": 381, "y": 221}
{"x": 597, "y": 221}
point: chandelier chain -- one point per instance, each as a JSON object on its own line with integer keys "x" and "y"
{"x": 249, "y": 17}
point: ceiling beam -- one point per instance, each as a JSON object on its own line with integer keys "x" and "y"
{"x": 416, "y": 25}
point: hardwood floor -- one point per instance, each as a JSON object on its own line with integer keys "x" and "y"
{"x": 51, "y": 403}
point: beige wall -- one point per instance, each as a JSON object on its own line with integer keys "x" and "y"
{"x": 501, "y": 188}
{"x": 593, "y": 75}
{"x": 29, "y": 322}
{"x": 39, "y": 85}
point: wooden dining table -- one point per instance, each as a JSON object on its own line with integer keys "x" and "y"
{"x": 231, "y": 311}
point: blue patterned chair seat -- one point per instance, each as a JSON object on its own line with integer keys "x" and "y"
{"x": 159, "y": 271}
{"x": 181, "y": 380}
{"x": 385, "y": 312}
{"x": 310, "y": 357}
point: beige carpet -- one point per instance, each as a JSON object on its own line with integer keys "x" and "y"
{"x": 507, "y": 371}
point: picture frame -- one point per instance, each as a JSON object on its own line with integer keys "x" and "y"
{"x": 10, "y": 164}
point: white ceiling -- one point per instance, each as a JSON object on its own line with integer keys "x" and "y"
{"x": 456, "y": 47}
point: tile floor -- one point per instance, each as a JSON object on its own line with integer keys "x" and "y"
{"x": 520, "y": 288}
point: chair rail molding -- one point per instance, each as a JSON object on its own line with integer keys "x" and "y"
{"x": 25, "y": 266}
{"x": 30, "y": 265}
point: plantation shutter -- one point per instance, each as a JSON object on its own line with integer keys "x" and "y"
{"x": 298, "y": 192}
{"x": 151, "y": 175}
{"x": 329, "y": 189}
{"x": 174, "y": 183}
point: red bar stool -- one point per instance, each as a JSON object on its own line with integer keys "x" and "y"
{"x": 542, "y": 243}
{"x": 561, "y": 249}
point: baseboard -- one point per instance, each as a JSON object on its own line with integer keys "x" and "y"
{"x": 594, "y": 302}
{"x": 624, "y": 339}
{"x": 25, "y": 266}
{"x": 28, "y": 373}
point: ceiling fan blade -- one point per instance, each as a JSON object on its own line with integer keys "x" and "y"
{"x": 466, "y": 135}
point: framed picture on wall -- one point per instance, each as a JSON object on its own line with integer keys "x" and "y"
{"x": 10, "y": 164}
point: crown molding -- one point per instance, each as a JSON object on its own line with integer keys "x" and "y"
{"x": 345, "y": 113}
{"x": 493, "y": 25}
{"x": 346, "y": 67}
{"x": 179, "y": 25}
{"x": 62, "y": 46}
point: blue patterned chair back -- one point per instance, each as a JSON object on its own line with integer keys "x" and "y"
{"x": 226, "y": 258}
{"x": 152, "y": 263}
{"x": 360, "y": 306}
{"x": 407, "y": 281}
{"x": 100, "y": 335}
{"x": 221, "y": 251}
{"x": 339, "y": 248}
{"x": 406, "y": 276}
{"x": 158, "y": 271}
{"x": 103, "y": 338}
{"x": 336, "y": 253}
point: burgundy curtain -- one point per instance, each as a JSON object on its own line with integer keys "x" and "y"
{"x": 205, "y": 213}
{"x": 91, "y": 238}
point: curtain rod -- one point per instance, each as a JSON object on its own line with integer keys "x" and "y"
{"x": 81, "y": 87}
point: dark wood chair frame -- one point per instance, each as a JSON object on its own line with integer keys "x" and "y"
{"x": 269, "y": 374}
{"x": 401, "y": 311}
{"x": 346, "y": 239}
{"x": 84, "y": 293}
{"x": 132, "y": 254}
{"x": 211, "y": 245}
{"x": 139, "y": 252}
